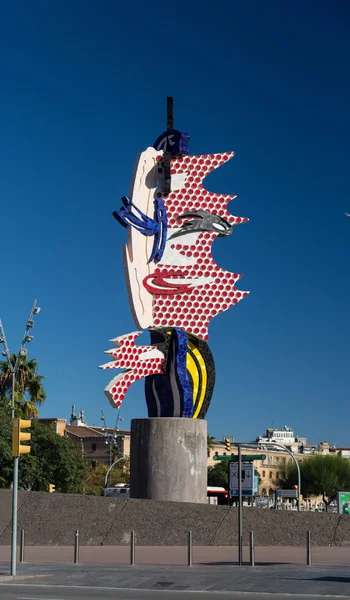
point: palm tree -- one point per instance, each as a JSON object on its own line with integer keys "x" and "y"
{"x": 210, "y": 443}
{"x": 29, "y": 391}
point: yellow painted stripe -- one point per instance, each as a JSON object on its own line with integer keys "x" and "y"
{"x": 203, "y": 368}
{"x": 192, "y": 368}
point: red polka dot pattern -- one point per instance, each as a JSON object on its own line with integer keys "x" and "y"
{"x": 128, "y": 356}
{"x": 193, "y": 309}
{"x": 193, "y": 196}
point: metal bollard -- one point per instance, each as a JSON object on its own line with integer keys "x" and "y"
{"x": 251, "y": 549}
{"x": 190, "y": 550}
{"x": 21, "y": 548}
{"x": 76, "y": 547}
{"x": 132, "y": 547}
{"x": 308, "y": 548}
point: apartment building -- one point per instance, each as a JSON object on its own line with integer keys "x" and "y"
{"x": 269, "y": 469}
{"x": 98, "y": 445}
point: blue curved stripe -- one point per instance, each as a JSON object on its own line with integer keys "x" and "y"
{"x": 181, "y": 372}
{"x": 158, "y": 226}
{"x": 126, "y": 217}
{"x": 161, "y": 235}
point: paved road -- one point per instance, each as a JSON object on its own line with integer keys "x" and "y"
{"x": 25, "y": 592}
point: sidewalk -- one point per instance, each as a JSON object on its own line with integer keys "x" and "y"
{"x": 177, "y": 555}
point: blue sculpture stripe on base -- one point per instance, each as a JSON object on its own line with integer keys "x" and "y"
{"x": 181, "y": 371}
{"x": 171, "y": 394}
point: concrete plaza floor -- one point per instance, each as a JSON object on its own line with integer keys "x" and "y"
{"x": 278, "y": 570}
{"x": 280, "y": 580}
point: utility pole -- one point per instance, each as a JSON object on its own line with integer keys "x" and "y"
{"x": 14, "y": 369}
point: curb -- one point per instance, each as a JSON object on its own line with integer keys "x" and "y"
{"x": 5, "y": 578}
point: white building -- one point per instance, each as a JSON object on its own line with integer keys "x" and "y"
{"x": 284, "y": 436}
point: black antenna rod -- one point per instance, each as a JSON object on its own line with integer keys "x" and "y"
{"x": 170, "y": 113}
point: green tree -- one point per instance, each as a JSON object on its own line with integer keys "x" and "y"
{"x": 320, "y": 476}
{"x": 210, "y": 443}
{"x": 95, "y": 477}
{"x": 29, "y": 391}
{"x": 5, "y": 447}
{"x": 53, "y": 459}
{"x": 218, "y": 475}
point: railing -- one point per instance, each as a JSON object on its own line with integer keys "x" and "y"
{"x": 188, "y": 549}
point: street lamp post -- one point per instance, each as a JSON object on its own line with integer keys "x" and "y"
{"x": 271, "y": 445}
{"x": 263, "y": 445}
{"x": 111, "y": 467}
{"x": 14, "y": 369}
{"x": 111, "y": 437}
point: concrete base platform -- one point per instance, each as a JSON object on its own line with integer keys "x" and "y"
{"x": 168, "y": 459}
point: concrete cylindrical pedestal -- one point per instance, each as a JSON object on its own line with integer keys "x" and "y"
{"x": 168, "y": 459}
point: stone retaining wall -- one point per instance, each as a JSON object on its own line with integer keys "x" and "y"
{"x": 51, "y": 519}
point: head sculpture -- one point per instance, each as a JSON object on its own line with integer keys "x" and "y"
{"x": 175, "y": 287}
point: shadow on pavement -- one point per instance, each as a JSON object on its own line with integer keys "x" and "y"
{"x": 332, "y": 578}
{"x": 245, "y": 564}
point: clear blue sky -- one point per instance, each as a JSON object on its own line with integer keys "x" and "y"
{"x": 83, "y": 88}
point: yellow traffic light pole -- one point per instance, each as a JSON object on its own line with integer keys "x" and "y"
{"x": 18, "y": 436}
{"x": 17, "y": 448}
{"x": 14, "y": 488}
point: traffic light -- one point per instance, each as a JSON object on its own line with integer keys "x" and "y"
{"x": 19, "y": 436}
{"x": 228, "y": 444}
{"x": 52, "y": 488}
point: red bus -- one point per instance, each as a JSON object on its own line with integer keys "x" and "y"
{"x": 219, "y": 493}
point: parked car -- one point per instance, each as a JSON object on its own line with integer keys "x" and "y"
{"x": 121, "y": 489}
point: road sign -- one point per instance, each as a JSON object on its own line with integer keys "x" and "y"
{"x": 286, "y": 493}
{"x": 247, "y": 478}
{"x": 256, "y": 484}
{"x": 262, "y": 502}
{"x": 234, "y": 457}
{"x": 343, "y": 499}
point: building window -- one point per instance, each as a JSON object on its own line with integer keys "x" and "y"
{"x": 270, "y": 475}
{"x": 277, "y": 459}
{"x": 263, "y": 491}
{"x": 93, "y": 463}
{"x": 216, "y": 454}
{"x": 264, "y": 473}
{"x": 93, "y": 447}
{"x": 224, "y": 454}
{"x": 277, "y": 475}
